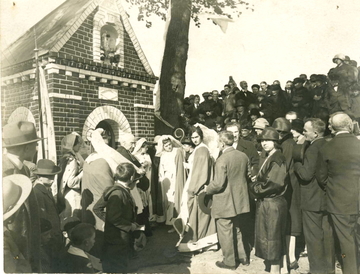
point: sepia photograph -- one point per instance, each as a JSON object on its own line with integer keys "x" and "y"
{"x": 180, "y": 136}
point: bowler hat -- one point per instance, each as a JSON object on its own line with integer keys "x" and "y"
{"x": 297, "y": 125}
{"x": 269, "y": 133}
{"x": 19, "y": 133}
{"x": 205, "y": 202}
{"x": 16, "y": 189}
{"x": 46, "y": 167}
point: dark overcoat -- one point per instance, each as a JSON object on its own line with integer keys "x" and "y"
{"x": 271, "y": 208}
{"x": 338, "y": 170}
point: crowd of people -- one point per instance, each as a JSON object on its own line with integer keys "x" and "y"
{"x": 255, "y": 170}
{"x": 318, "y": 96}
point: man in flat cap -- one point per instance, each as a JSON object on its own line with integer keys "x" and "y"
{"x": 20, "y": 140}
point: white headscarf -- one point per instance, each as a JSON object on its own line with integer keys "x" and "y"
{"x": 160, "y": 145}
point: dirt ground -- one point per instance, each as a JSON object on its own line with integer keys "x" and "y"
{"x": 161, "y": 256}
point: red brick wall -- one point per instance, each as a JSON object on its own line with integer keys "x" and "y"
{"x": 18, "y": 95}
{"x": 132, "y": 60}
{"x": 80, "y": 43}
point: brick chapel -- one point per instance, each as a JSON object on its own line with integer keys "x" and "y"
{"x": 96, "y": 72}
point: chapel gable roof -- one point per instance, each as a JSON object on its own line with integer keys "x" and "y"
{"x": 56, "y": 28}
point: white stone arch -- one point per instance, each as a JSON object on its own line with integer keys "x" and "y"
{"x": 110, "y": 114}
{"x": 21, "y": 114}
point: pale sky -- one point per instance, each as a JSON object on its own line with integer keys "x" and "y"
{"x": 279, "y": 40}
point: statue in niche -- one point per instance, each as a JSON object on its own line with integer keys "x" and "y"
{"x": 110, "y": 48}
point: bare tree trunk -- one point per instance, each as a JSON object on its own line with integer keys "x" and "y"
{"x": 172, "y": 77}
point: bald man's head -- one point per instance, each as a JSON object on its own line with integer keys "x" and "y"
{"x": 341, "y": 122}
{"x": 127, "y": 140}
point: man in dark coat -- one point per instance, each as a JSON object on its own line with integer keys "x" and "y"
{"x": 301, "y": 98}
{"x": 338, "y": 171}
{"x": 55, "y": 248}
{"x": 317, "y": 230}
{"x": 342, "y": 78}
{"x": 245, "y": 95}
{"x": 218, "y": 108}
{"x": 20, "y": 141}
{"x": 244, "y": 146}
{"x": 230, "y": 199}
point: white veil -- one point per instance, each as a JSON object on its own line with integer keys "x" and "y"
{"x": 210, "y": 139}
{"x": 114, "y": 158}
{"x": 160, "y": 147}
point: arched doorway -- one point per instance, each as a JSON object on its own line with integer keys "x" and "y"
{"x": 109, "y": 118}
{"x": 108, "y": 132}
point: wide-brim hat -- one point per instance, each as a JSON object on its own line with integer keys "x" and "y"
{"x": 46, "y": 167}
{"x": 16, "y": 189}
{"x": 19, "y": 133}
{"x": 299, "y": 151}
{"x": 269, "y": 133}
{"x": 205, "y": 202}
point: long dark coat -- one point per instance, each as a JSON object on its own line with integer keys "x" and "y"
{"x": 271, "y": 208}
{"x": 292, "y": 194}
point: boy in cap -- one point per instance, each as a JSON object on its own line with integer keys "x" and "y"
{"x": 118, "y": 210}
{"x": 46, "y": 171}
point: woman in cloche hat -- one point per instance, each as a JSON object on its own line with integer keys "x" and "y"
{"x": 268, "y": 187}
{"x": 16, "y": 189}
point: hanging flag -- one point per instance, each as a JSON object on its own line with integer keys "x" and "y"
{"x": 48, "y": 123}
